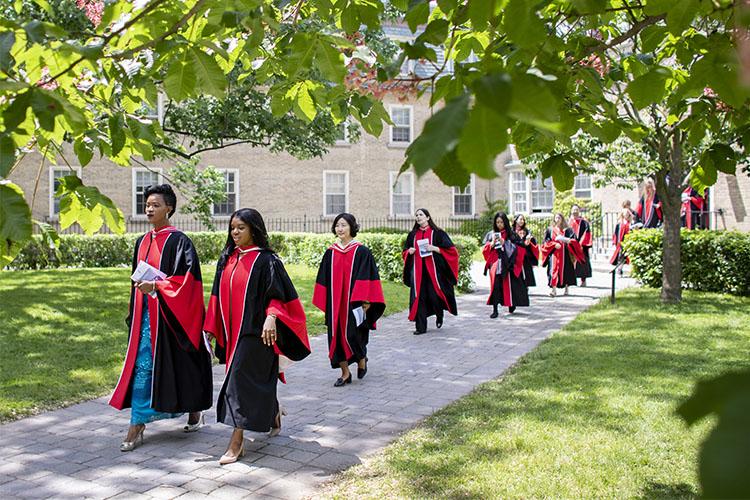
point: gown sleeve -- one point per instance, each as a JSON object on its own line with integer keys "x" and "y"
{"x": 282, "y": 301}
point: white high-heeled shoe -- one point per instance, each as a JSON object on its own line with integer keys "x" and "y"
{"x": 194, "y": 427}
{"x": 135, "y": 443}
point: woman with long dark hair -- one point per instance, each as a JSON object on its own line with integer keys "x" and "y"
{"x": 167, "y": 369}
{"x": 256, "y": 316}
{"x": 504, "y": 258}
{"x": 529, "y": 243}
{"x": 430, "y": 271}
{"x": 560, "y": 252}
{"x": 348, "y": 290}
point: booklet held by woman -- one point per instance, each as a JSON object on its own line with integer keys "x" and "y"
{"x": 146, "y": 272}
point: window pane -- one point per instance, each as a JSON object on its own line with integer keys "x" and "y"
{"x": 401, "y": 130}
{"x": 542, "y": 195}
{"x": 56, "y": 175}
{"x": 228, "y": 206}
{"x": 401, "y": 193}
{"x": 583, "y": 186}
{"x": 335, "y": 195}
{"x": 336, "y": 183}
{"x": 462, "y": 204}
{"x": 143, "y": 179}
{"x": 335, "y": 204}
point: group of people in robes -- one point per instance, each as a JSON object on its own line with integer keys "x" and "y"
{"x": 255, "y": 318}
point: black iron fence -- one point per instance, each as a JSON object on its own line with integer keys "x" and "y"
{"x": 602, "y": 227}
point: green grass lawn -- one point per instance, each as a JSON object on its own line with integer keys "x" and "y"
{"x": 588, "y": 414}
{"x": 63, "y": 333}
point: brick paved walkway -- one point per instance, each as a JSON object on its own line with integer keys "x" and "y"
{"x": 73, "y": 452}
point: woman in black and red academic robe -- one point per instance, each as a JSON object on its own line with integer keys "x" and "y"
{"x": 256, "y": 316}
{"x": 582, "y": 229}
{"x": 693, "y": 208}
{"x": 348, "y": 290}
{"x": 528, "y": 242}
{"x": 504, "y": 257}
{"x": 560, "y": 251}
{"x": 622, "y": 228}
{"x": 430, "y": 271}
{"x": 648, "y": 210}
{"x": 167, "y": 369}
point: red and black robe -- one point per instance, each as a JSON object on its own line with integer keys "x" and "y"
{"x": 582, "y": 229}
{"x": 347, "y": 278}
{"x": 251, "y": 285}
{"x": 648, "y": 211}
{"x": 182, "y": 380}
{"x": 693, "y": 208}
{"x": 530, "y": 260}
{"x": 561, "y": 261}
{"x": 505, "y": 264}
{"x": 431, "y": 279}
{"x": 621, "y": 230}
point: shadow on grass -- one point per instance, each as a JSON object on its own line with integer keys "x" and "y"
{"x": 603, "y": 387}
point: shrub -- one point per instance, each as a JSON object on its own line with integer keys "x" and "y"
{"x": 297, "y": 248}
{"x": 712, "y": 261}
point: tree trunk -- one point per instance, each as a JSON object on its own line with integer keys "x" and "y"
{"x": 670, "y": 182}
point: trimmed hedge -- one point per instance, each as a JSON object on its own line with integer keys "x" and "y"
{"x": 712, "y": 261}
{"x": 106, "y": 250}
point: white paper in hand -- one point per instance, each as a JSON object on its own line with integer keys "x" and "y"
{"x": 207, "y": 343}
{"x": 422, "y": 244}
{"x": 146, "y": 272}
{"x": 359, "y": 315}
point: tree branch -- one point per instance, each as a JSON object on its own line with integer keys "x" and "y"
{"x": 189, "y": 156}
{"x": 633, "y": 31}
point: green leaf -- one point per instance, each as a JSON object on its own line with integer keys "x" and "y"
{"x": 722, "y": 157}
{"x": 652, "y": 37}
{"x": 649, "y": 88}
{"x": 533, "y": 101}
{"x": 523, "y": 24}
{"x": 211, "y": 78}
{"x": 87, "y": 206}
{"x": 451, "y": 171}
{"x": 15, "y": 221}
{"x": 419, "y": 12}
{"x": 494, "y": 91}
{"x": 46, "y": 108}
{"x": 7, "y": 154}
{"x": 350, "y": 19}
{"x": 680, "y": 15}
{"x": 484, "y": 136}
{"x": 180, "y": 81}
{"x": 7, "y": 39}
{"x": 330, "y": 62}
{"x": 560, "y": 168}
{"x": 480, "y": 12}
{"x": 705, "y": 172}
{"x": 440, "y": 134}
{"x": 50, "y": 237}
{"x": 304, "y": 106}
{"x": 435, "y": 33}
{"x": 83, "y": 151}
{"x": 657, "y": 7}
{"x": 116, "y": 134}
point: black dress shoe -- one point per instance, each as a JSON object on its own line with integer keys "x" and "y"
{"x": 439, "y": 322}
{"x": 494, "y": 315}
{"x": 361, "y": 372}
{"x": 417, "y": 332}
{"x": 511, "y": 309}
{"x": 340, "y": 381}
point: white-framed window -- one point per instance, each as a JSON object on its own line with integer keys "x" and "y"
{"x": 335, "y": 192}
{"x": 542, "y": 194}
{"x": 55, "y": 173}
{"x": 143, "y": 178}
{"x": 463, "y": 199}
{"x": 342, "y": 133}
{"x": 582, "y": 188}
{"x": 530, "y": 195}
{"x": 402, "y": 194}
{"x": 232, "y": 190}
{"x": 518, "y": 193}
{"x": 403, "y": 124}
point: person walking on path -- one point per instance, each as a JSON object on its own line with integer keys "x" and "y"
{"x": 559, "y": 252}
{"x": 504, "y": 256}
{"x": 349, "y": 292}
{"x": 648, "y": 210}
{"x": 621, "y": 230}
{"x": 257, "y": 318}
{"x": 167, "y": 369}
{"x": 582, "y": 229}
{"x": 430, "y": 271}
{"x": 529, "y": 243}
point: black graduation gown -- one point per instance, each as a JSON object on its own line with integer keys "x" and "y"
{"x": 564, "y": 257}
{"x": 252, "y": 285}
{"x": 438, "y": 268}
{"x": 505, "y": 264}
{"x": 530, "y": 260}
{"x": 182, "y": 378}
{"x": 583, "y": 235}
{"x": 348, "y": 277}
